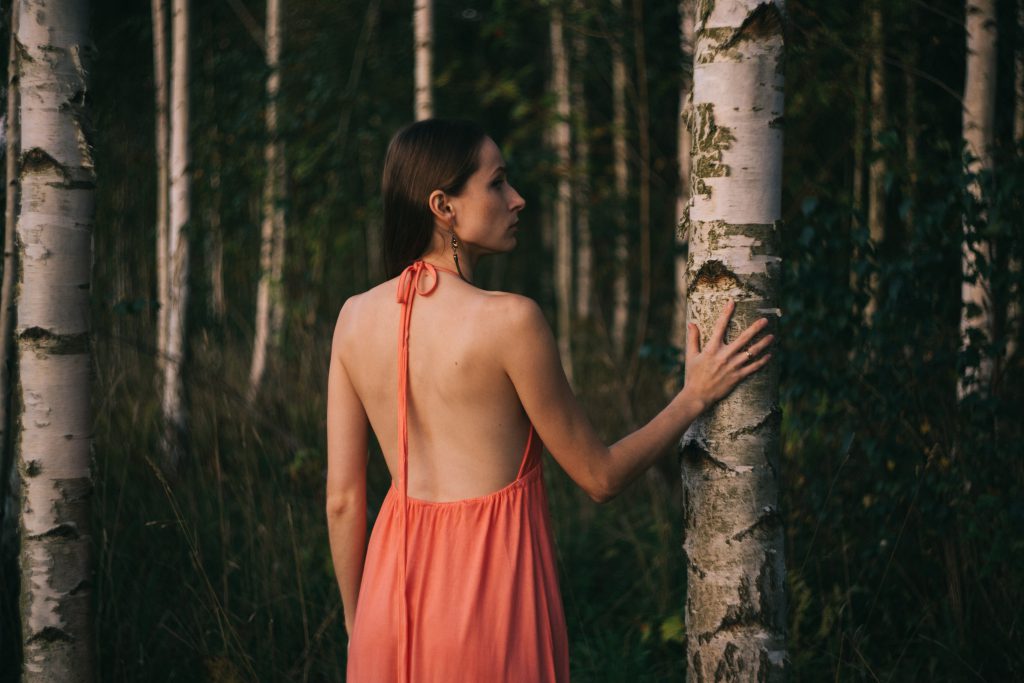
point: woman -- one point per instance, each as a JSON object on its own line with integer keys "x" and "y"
{"x": 458, "y": 582}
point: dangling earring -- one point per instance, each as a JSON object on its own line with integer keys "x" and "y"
{"x": 455, "y": 250}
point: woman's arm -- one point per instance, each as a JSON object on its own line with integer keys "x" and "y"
{"x": 347, "y": 426}
{"x": 533, "y": 365}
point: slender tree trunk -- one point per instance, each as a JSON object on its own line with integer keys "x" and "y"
{"x": 620, "y": 312}
{"x": 10, "y": 485}
{"x": 735, "y": 604}
{"x": 877, "y": 167}
{"x": 581, "y": 179}
{"x": 54, "y": 225}
{"x": 686, "y": 19}
{"x": 216, "y": 301}
{"x": 978, "y": 119}
{"x": 174, "y": 412}
{"x": 643, "y": 250}
{"x": 563, "y": 201}
{"x": 423, "y": 31}
{"x": 1013, "y": 309}
{"x": 910, "y": 93}
{"x": 857, "y": 190}
{"x": 159, "y": 17}
{"x": 269, "y": 299}
{"x": 1018, "y": 113}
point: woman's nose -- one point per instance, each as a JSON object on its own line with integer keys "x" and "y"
{"x": 518, "y": 203}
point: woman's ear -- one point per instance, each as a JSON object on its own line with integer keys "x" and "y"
{"x": 440, "y": 206}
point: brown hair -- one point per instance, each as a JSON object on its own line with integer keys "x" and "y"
{"x": 433, "y": 154}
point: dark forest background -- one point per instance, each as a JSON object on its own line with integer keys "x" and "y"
{"x": 903, "y": 508}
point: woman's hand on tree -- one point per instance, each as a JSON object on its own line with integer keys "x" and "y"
{"x": 713, "y": 372}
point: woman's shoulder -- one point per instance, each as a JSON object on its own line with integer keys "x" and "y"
{"x": 357, "y": 306}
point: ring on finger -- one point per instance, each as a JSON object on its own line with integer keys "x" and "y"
{"x": 747, "y": 351}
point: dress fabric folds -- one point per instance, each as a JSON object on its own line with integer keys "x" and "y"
{"x": 461, "y": 591}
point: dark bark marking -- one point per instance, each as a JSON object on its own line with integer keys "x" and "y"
{"x": 50, "y": 634}
{"x": 772, "y": 419}
{"x": 695, "y": 454}
{"x": 37, "y": 160}
{"x": 764, "y": 21}
{"x": 69, "y": 531}
{"x": 768, "y": 519}
{"x": 714, "y": 274}
{"x": 57, "y": 344}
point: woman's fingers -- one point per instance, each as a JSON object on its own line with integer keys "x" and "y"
{"x": 749, "y": 333}
{"x": 755, "y": 365}
{"x": 741, "y": 357}
{"x": 692, "y": 341}
{"x": 722, "y": 324}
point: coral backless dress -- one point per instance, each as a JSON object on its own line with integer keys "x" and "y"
{"x": 463, "y": 591}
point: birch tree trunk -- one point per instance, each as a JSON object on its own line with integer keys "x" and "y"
{"x": 735, "y": 606}
{"x": 563, "y": 201}
{"x": 1013, "y": 309}
{"x": 173, "y": 408}
{"x": 1018, "y": 112}
{"x": 54, "y": 226}
{"x": 978, "y": 119}
{"x": 423, "y": 33}
{"x": 10, "y": 485}
{"x": 686, "y": 19}
{"x": 910, "y": 93}
{"x": 620, "y": 312}
{"x": 877, "y": 166}
{"x": 642, "y": 253}
{"x": 159, "y": 15}
{"x": 216, "y": 301}
{"x": 581, "y": 180}
{"x": 269, "y": 299}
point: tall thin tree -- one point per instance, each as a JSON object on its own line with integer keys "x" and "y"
{"x": 269, "y": 294}
{"x": 10, "y": 485}
{"x": 735, "y": 600}
{"x": 686, "y": 19}
{"x": 876, "y": 166}
{"x": 173, "y": 407}
{"x": 158, "y": 11}
{"x": 560, "y": 135}
{"x": 620, "y": 310}
{"x": 54, "y": 226}
{"x": 423, "y": 35}
{"x": 581, "y": 170}
{"x": 978, "y": 121}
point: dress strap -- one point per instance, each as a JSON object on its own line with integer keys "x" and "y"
{"x": 418, "y": 278}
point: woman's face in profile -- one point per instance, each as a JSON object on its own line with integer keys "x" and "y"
{"x": 487, "y": 209}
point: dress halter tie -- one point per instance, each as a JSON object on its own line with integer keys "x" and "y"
{"x": 410, "y": 283}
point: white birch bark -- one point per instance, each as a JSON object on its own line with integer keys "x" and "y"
{"x": 54, "y": 228}
{"x": 877, "y": 167}
{"x": 10, "y": 484}
{"x": 978, "y": 120}
{"x": 581, "y": 181}
{"x": 1018, "y": 112}
{"x": 269, "y": 299}
{"x": 423, "y": 35}
{"x": 563, "y": 201}
{"x": 735, "y": 607}
{"x": 159, "y": 20}
{"x": 620, "y": 310}
{"x": 686, "y": 19}
{"x": 180, "y": 206}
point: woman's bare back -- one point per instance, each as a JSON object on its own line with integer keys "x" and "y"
{"x": 467, "y": 427}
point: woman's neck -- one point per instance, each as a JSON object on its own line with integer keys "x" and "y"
{"x": 440, "y": 254}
